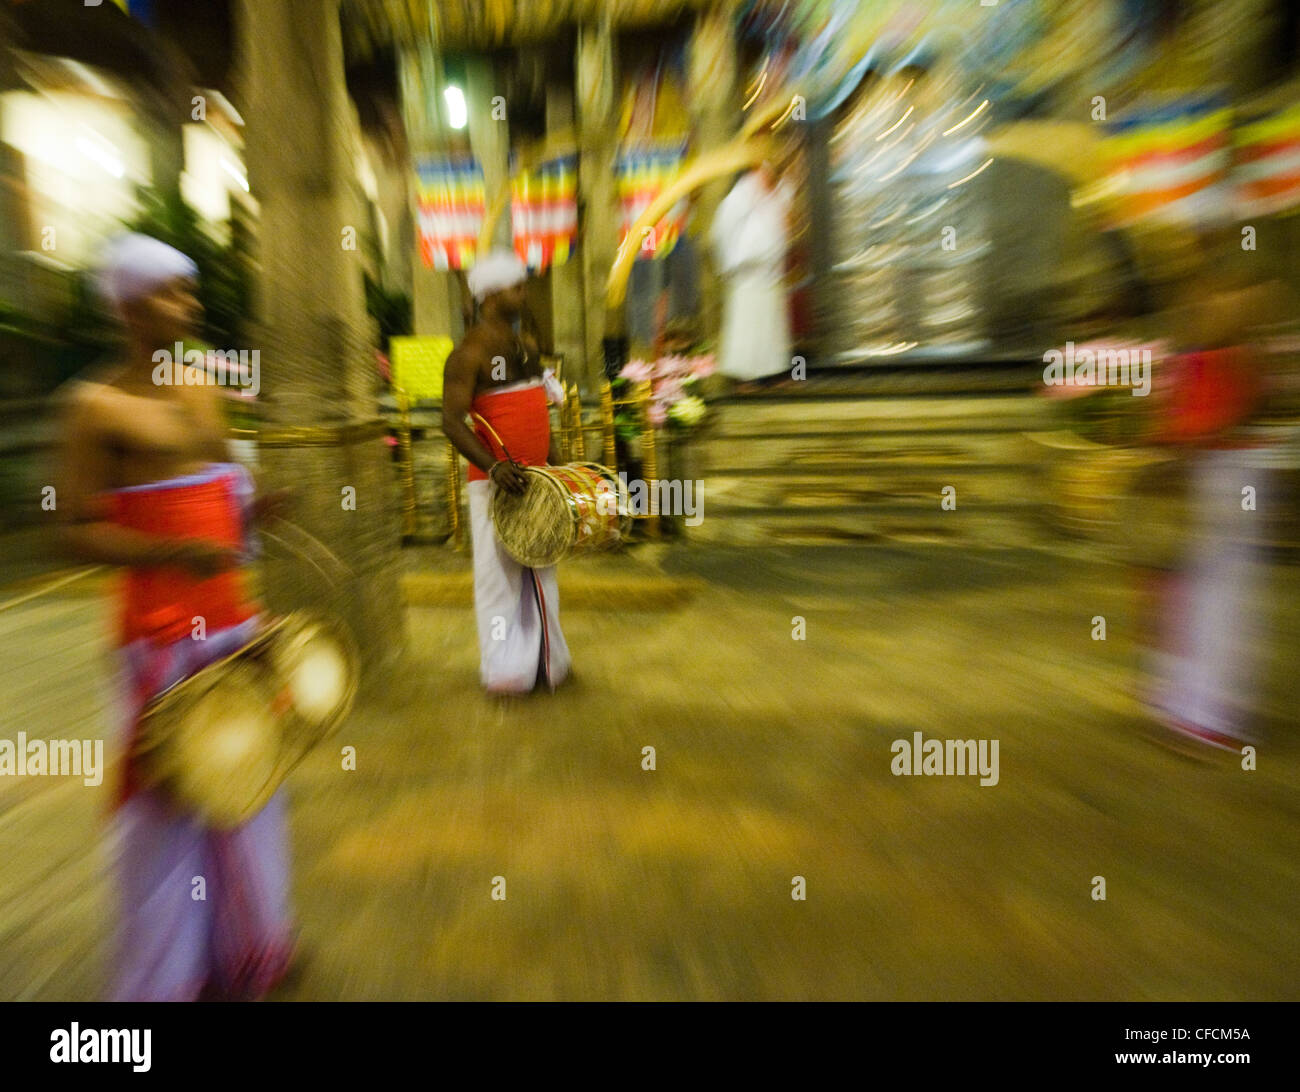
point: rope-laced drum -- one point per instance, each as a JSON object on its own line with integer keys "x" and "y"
{"x": 578, "y": 507}
{"x": 575, "y": 507}
{"x": 212, "y": 744}
{"x": 221, "y": 741}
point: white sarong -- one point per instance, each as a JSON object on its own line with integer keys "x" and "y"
{"x": 518, "y": 610}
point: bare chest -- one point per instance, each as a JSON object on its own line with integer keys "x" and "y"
{"x": 507, "y": 361}
{"x": 152, "y": 439}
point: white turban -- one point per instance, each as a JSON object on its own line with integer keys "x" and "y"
{"x": 135, "y": 265}
{"x": 496, "y": 271}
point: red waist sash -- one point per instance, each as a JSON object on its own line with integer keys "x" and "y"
{"x": 1211, "y": 392}
{"x": 162, "y": 603}
{"x": 520, "y": 417}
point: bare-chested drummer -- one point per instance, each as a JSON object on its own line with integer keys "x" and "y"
{"x": 496, "y": 375}
{"x": 146, "y": 483}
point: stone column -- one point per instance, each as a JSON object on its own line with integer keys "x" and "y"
{"x": 392, "y": 176}
{"x": 435, "y": 294}
{"x": 820, "y": 228}
{"x": 166, "y": 151}
{"x": 322, "y": 435}
{"x": 489, "y": 138}
{"x": 596, "y": 81}
{"x": 715, "y": 117}
{"x": 164, "y": 110}
{"x": 568, "y": 309}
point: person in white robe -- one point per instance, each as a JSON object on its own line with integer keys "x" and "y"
{"x": 750, "y": 237}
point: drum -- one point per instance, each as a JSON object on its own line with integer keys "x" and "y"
{"x": 212, "y": 743}
{"x": 578, "y": 507}
{"x": 222, "y": 741}
{"x": 315, "y": 662}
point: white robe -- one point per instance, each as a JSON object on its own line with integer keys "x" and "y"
{"x": 749, "y": 239}
{"x": 515, "y": 637}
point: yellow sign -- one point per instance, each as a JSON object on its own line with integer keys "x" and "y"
{"x": 418, "y": 363}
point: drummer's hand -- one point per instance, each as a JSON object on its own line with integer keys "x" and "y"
{"x": 206, "y": 559}
{"x": 509, "y": 477}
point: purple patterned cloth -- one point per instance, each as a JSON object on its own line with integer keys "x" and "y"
{"x": 236, "y": 940}
{"x": 1206, "y": 669}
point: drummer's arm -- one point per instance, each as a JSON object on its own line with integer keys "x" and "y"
{"x": 458, "y": 382}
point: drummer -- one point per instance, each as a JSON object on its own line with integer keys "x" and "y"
{"x": 146, "y": 483}
{"x": 495, "y": 373}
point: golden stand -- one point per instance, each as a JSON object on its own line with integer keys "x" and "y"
{"x": 407, "y": 463}
{"x": 640, "y": 399}
{"x": 609, "y": 450}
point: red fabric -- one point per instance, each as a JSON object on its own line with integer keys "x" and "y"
{"x": 1210, "y": 393}
{"x": 161, "y": 603}
{"x": 521, "y": 419}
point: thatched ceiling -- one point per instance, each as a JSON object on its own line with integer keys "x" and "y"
{"x": 478, "y": 24}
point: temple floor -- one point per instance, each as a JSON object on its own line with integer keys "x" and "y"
{"x": 772, "y": 761}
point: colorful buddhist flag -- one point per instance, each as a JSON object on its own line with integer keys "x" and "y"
{"x": 642, "y": 173}
{"x": 544, "y": 212}
{"x": 1170, "y": 161}
{"x": 452, "y": 203}
{"x": 1266, "y": 163}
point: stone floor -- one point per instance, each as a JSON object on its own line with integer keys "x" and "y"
{"x": 772, "y": 762}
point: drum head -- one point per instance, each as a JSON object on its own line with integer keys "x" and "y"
{"x": 215, "y": 748}
{"x": 316, "y": 666}
{"x": 536, "y": 528}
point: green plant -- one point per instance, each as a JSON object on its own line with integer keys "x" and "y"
{"x": 392, "y": 310}
{"x": 225, "y": 276}
{"x": 43, "y": 353}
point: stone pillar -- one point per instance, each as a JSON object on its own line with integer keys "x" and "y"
{"x": 166, "y": 152}
{"x": 568, "y": 309}
{"x": 322, "y": 435}
{"x": 489, "y": 138}
{"x": 715, "y": 117}
{"x": 164, "y": 111}
{"x": 596, "y": 81}
{"x": 392, "y": 177}
{"x": 820, "y": 228}
{"x": 435, "y": 294}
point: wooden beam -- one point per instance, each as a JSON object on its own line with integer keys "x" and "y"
{"x": 376, "y": 24}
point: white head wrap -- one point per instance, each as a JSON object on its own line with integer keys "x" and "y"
{"x": 495, "y": 271}
{"x": 135, "y": 265}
